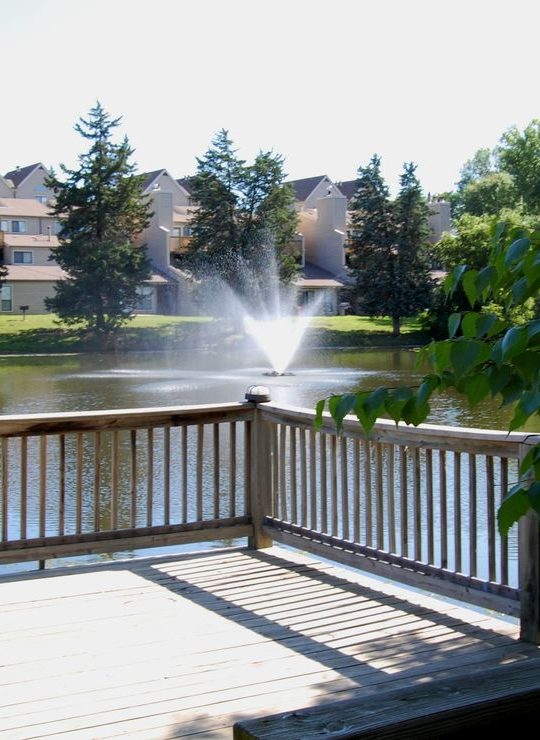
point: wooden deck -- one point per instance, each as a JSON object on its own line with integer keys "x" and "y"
{"x": 186, "y": 645}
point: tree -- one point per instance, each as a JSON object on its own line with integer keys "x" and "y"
{"x": 489, "y": 195}
{"x": 481, "y": 164}
{"x": 101, "y": 211}
{"x": 484, "y": 355}
{"x": 519, "y": 154}
{"x": 387, "y": 245}
{"x": 245, "y": 213}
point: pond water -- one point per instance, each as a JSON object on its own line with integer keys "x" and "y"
{"x": 52, "y": 383}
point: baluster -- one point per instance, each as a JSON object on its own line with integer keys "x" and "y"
{"x": 472, "y": 515}
{"x": 344, "y": 489}
{"x": 232, "y": 468}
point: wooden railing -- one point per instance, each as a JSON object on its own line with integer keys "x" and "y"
{"x": 414, "y": 504}
{"x": 417, "y": 505}
{"x": 77, "y": 483}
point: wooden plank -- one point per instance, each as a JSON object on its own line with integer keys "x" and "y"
{"x": 429, "y": 507}
{"x": 379, "y": 494}
{"x": 313, "y": 478}
{"x": 275, "y": 469}
{"x": 79, "y": 482}
{"x": 529, "y": 572}
{"x": 303, "y": 478}
{"x": 356, "y": 490}
{"x": 490, "y": 494}
{"x": 199, "y": 469}
{"x": 123, "y": 539}
{"x": 149, "y": 477}
{"x": 115, "y": 488}
{"x": 97, "y": 480}
{"x": 451, "y": 706}
{"x": 473, "y": 517}
{"x": 248, "y": 483}
{"x": 61, "y": 482}
{"x": 333, "y": 484}
{"x": 133, "y": 461}
{"x": 367, "y": 491}
{"x": 503, "y": 540}
{"x": 144, "y": 418}
{"x": 23, "y": 487}
{"x": 42, "y": 485}
{"x": 5, "y": 487}
{"x": 184, "y": 473}
{"x": 404, "y": 501}
{"x": 457, "y": 511}
{"x": 261, "y": 472}
{"x": 216, "y": 461}
{"x": 344, "y": 488}
{"x": 166, "y": 475}
{"x": 232, "y": 469}
{"x": 324, "y": 484}
{"x": 283, "y": 472}
{"x": 443, "y": 509}
{"x": 292, "y": 474}
{"x": 390, "y": 494}
{"x": 417, "y": 504}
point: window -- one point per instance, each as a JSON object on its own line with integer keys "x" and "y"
{"x": 57, "y": 227}
{"x": 176, "y": 231}
{"x": 18, "y": 227}
{"x": 6, "y": 301}
{"x": 41, "y": 198}
{"x": 4, "y": 226}
{"x": 187, "y": 231}
{"x": 22, "y": 258}
{"x": 146, "y": 298}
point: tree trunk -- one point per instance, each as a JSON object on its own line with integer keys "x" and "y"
{"x": 395, "y": 326}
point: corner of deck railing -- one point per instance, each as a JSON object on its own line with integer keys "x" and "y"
{"x": 258, "y": 394}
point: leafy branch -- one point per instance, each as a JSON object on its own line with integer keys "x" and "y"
{"x": 485, "y": 355}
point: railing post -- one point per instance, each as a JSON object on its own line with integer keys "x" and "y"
{"x": 529, "y": 572}
{"x": 260, "y": 469}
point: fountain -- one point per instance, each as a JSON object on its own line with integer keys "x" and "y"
{"x": 278, "y": 338}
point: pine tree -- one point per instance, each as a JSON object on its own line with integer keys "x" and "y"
{"x": 101, "y": 212}
{"x": 413, "y": 285}
{"x": 373, "y": 241}
{"x": 244, "y": 220}
{"x": 388, "y": 243}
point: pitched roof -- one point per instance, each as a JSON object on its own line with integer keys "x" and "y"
{"x": 20, "y": 174}
{"x": 315, "y": 277}
{"x": 304, "y": 187}
{"x": 348, "y": 188}
{"x": 185, "y": 182}
{"x": 149, "y": 178}
{"x": 29, "y": 207}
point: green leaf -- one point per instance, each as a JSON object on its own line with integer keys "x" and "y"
{"x": 414, "y": 412}
{"x": 453, "y": 324}
{"x": 498, "y": 378}
{"x": 366, "y": 419}
{"x": 516, "y": 250}
{"x": 485, "y": 278}
{"x": 319, "y": 408}
{"x": 469, "y": 286}
{"x": 533, "y": 492}
{"x": 374, "y": 403}
{"x": 429, "y": 384}
{"x": 340, "y": 410}
{"x": 515, "y": 505}
{"x": 452, "y": 280}
{"x": 395, "y": 402}
{"x": 531, "y": 459}
{"x": 513, "y": 342}
{"x": 469, "y": 324}
{"x": 476, "y": 388}
{"x": 441, "y": 353}
{"x": 465, "y": 354}
{"x": 519, "y": 290}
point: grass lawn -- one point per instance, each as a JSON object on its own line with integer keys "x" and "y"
{"x": 41, "y": 333}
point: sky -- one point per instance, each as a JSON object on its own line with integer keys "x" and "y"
{"x": 324, "y": 83}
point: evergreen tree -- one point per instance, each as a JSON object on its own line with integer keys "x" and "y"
{"x": 388, "y": 245}
{"x": 101, "y": 212}
{"x": 413, "y": 285}
{"x": 244, "y": 220}
{"x": 372, "y": 242}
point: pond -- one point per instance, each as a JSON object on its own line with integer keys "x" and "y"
{"x": 52, "y": 383}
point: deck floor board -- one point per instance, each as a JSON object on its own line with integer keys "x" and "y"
{"x": 185, "y": 646}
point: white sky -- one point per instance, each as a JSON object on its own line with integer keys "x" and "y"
{"x": 326, "y": 83}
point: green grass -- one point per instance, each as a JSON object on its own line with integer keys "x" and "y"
{"x": 41, "y": 333}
